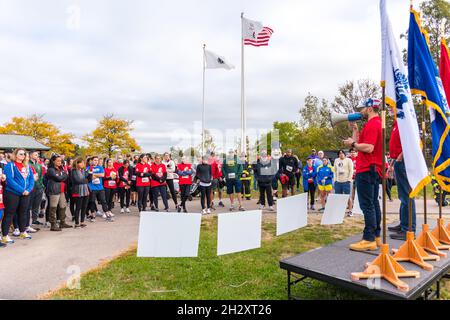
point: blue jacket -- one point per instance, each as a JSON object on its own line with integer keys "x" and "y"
{"x": 309, "y": 175}
{"x": 325, "y": 172}
{"x": 15, "y": 182}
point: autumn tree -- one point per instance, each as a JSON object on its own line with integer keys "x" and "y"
{"x": 434, "y": 12}
{"x": 111, "y": 135}
{"x": 42, "y": 131}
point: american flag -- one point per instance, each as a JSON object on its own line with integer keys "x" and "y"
{"x": 261, "y": 40}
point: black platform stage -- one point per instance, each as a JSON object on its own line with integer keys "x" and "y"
{"x": 334, "y": 264}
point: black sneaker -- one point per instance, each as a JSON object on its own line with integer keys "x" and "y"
{"x": 221, "y": 204}
{"x": 37, "y": 223}
{"x": 178, "y": 209}
{"x": 395, "y": 229}
{"x": 2, "y": 245}
{"x": 399, "y": 236}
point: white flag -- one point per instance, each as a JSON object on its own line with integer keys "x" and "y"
{"x": 214, "y": 61}
{"x": 251, "y": 29}
{"x": 398, "y": 96}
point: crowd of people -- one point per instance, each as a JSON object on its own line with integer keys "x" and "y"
{"x": 38, "y": 192}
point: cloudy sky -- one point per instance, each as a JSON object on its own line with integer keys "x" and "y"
{"x": 76, "y": 60}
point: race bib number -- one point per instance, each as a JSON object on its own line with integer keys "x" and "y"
{"x": 112, "y": 183}
{"x": 133, "y": 177}
{"x": 232, "y": 175}
{"x": 145, "y": 180}
{"x": 289, "y": 168}
{"x": 96, "y": 181}
{"x": 184, "y": 177}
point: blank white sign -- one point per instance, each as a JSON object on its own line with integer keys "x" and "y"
{"x": 169, "y": 234}
{"x": 335, "y": 209}
{"x": 356, "y": 207}
{"x": 292, "y": 213}
{"x": 238, "y": 231}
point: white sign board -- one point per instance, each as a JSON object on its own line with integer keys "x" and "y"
{"x": 292, "y": 213}
{"x": 238, "y": 231}
{"x": 169, "y": 234}
{"x": 335, "y": 209}
{"x": 357, "y": 209}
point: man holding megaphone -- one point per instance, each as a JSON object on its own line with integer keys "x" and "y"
{"x": 368, "y": 143}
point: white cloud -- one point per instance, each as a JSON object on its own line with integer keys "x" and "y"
{"x": 141, "y": 60}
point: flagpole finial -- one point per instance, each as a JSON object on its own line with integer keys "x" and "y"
{"x": 242, "y": 14}
{"x": 411, "y": 4}
{"x": 204, "y": 46}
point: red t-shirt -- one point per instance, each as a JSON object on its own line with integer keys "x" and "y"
{"x": 395, "y": 144}
{"x": 184, "y": 180}
{"x": 110, "y": 184}
{"x": 142, "y": 181}
{"x": 370, "y": 134}
{"x": 159, "y": 170}
{"x": 20, "y": 166}
{"x": 2, "y": 206}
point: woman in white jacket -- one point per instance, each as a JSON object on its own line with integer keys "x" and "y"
{"x": 171, "y": 169}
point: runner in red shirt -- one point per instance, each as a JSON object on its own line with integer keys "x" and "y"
{"x": 217, "y": 181}
{"x": 159, "y": 185}
{"x": 368, "y": 143}
{"x": 143, "y": 172}
{"x": 110, "y": 183}
{"x": 185, "y": 172}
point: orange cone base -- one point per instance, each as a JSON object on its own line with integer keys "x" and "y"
{"x": 441, "y": 233}
{"x": 427, "y": 241}
{"x": 385, "y": 267}
{"x": 411, "y": 252}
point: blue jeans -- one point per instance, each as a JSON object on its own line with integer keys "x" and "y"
{"x": 342, "y": 187}
{"x": 403, "y": 193}
{"x": 367, "y": 186}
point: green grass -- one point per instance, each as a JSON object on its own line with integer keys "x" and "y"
{"x": 253, "y": 274}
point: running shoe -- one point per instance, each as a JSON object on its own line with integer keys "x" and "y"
{"x": 7, "y": 240}
{"x": 25, "y": 236}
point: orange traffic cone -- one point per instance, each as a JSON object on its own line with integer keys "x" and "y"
{"x": 441, "y": 233}
{"x": 385, "y": 266}
{"x": 429, "y": 242}
{"x": 410, "y": 251}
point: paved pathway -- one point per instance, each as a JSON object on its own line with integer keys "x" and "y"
{"x": 31, "y": 268}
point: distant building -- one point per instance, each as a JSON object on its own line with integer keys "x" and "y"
{"x": 12, "y": 141}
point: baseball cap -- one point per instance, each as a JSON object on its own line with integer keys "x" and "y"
{"x": 371, "y": 102}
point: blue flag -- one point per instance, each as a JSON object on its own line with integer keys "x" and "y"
{"x": 424, "y": 80}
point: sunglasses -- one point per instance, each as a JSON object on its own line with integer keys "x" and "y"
{"x": 21, "y": 154}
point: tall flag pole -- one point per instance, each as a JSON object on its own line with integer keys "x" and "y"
{"x": 424, "y": 80}
{"x": 243, "y": 124}
{"x": 211, "y": 60}
{"x": 385, "y": 266}
{"x": 394, "y": 80}
{"x": 203, "y": 101}
{"x": 256, "y": 35}
{"x": 441, "y": 232}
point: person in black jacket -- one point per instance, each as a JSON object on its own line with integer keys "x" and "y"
{"x": 57, "y": 184}
{"x": 125, "y": 174}
{"x": 288, "y": 167}
{"x": 204, "y": 174}
{"x": 265, "y": 170}
{"x": 79, "y": 191}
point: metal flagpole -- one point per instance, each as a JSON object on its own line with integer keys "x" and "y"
{"x": 243, "y": 142}
{"x": 203, "y": 103}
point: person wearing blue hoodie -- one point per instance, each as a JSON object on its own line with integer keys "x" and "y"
{"x": 309, "y": 177}
{"x": 19, "y": 184}
{"x": 325, "y": 175}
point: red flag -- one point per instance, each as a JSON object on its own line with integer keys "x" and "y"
{"x": 444, "y": 68}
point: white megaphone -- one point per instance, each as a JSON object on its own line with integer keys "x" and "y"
{"x": 336, "y": 118}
